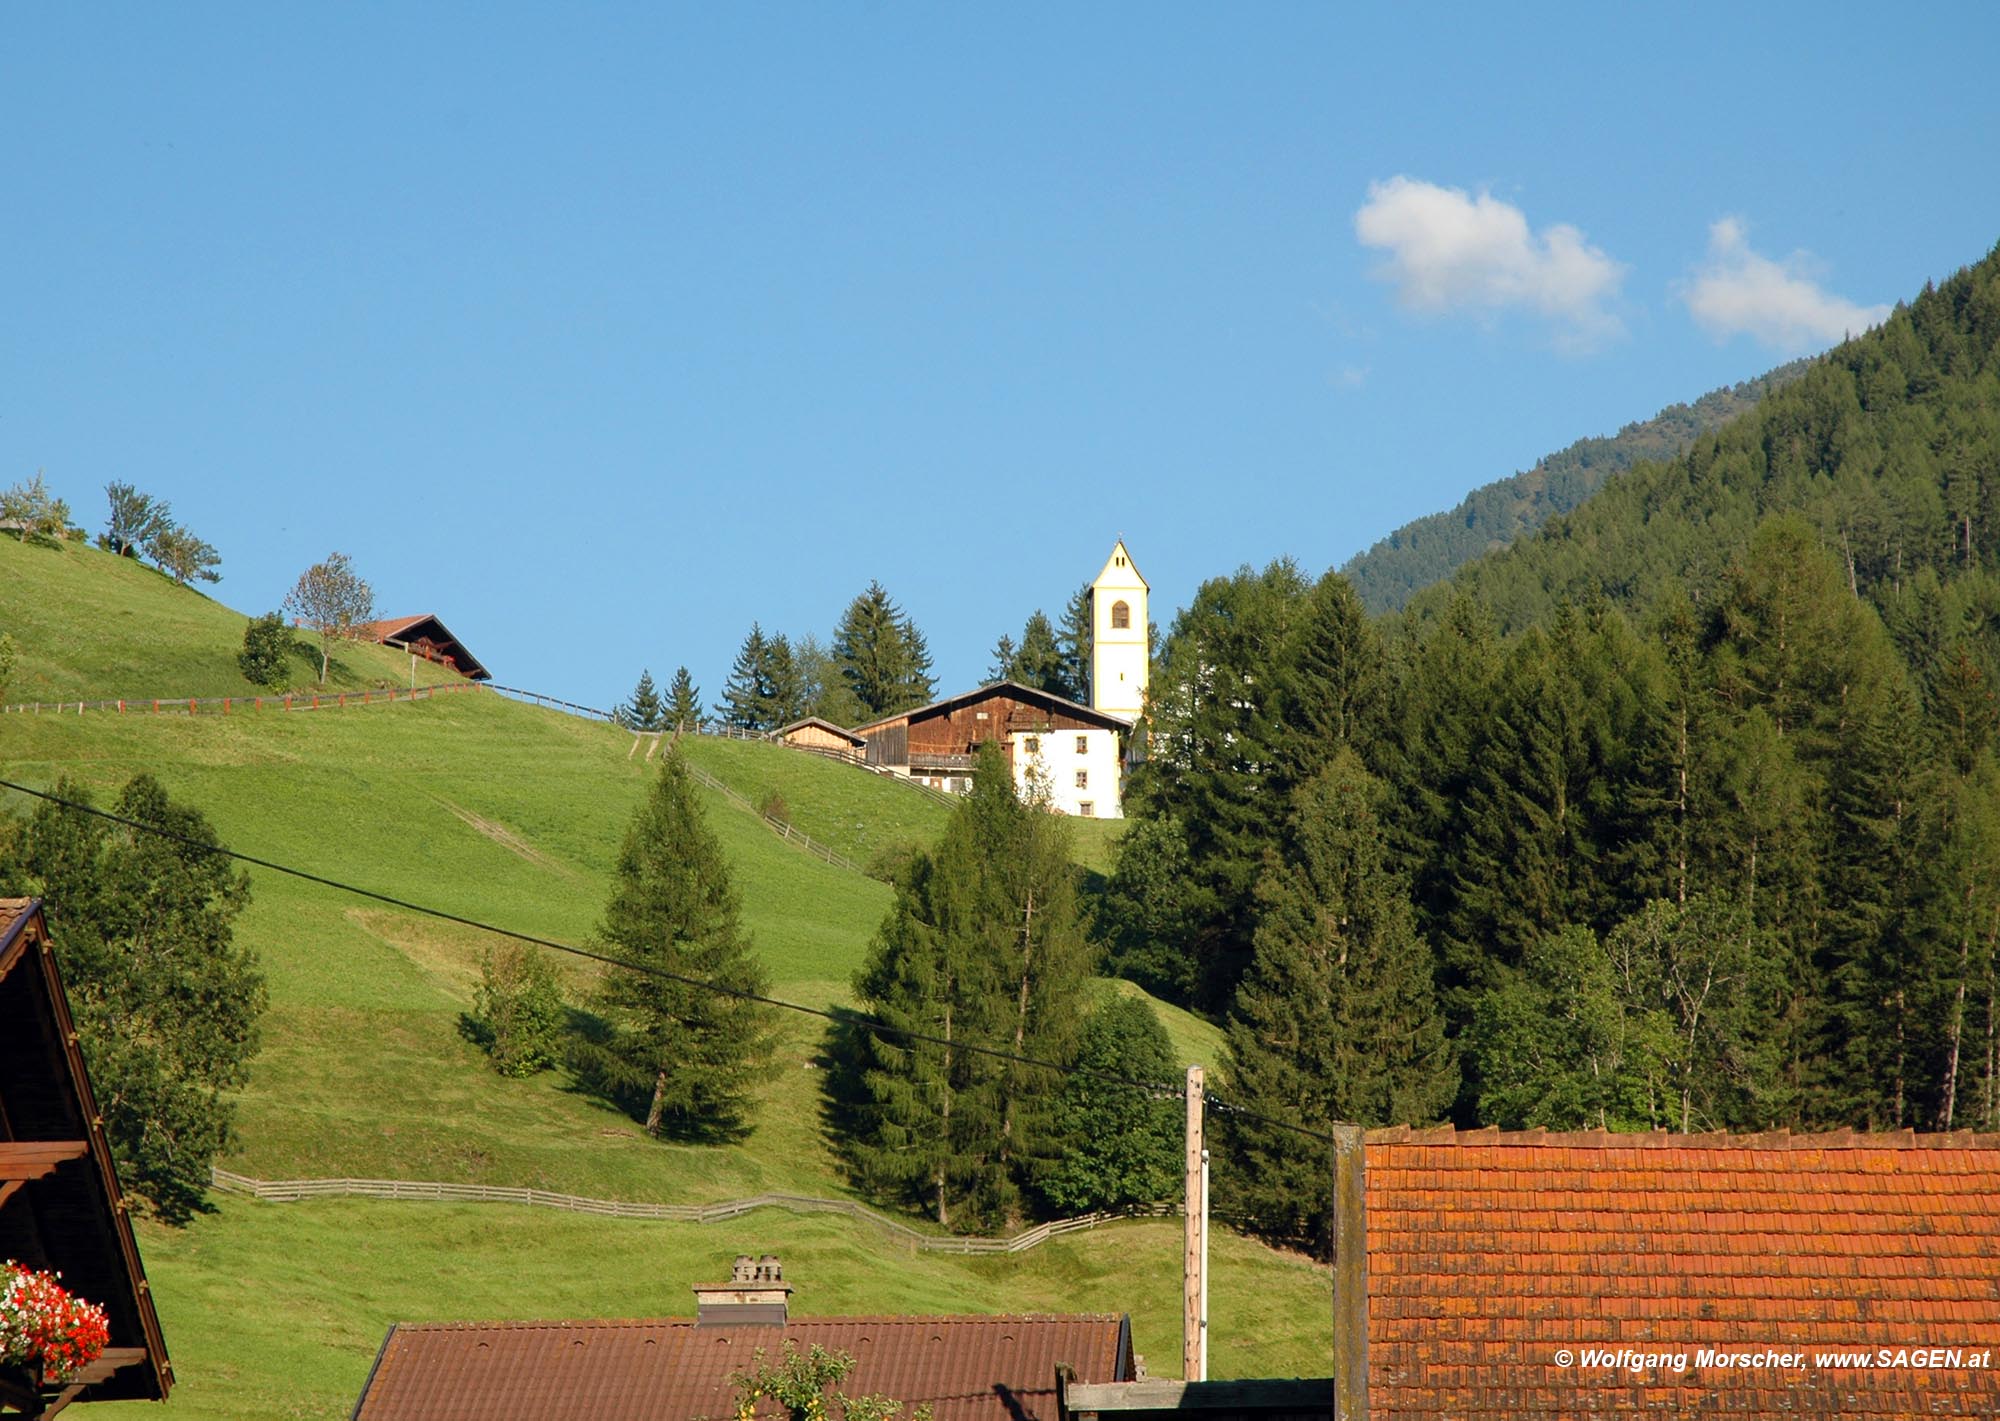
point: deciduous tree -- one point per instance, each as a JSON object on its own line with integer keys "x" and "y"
{"x": 166, "y": 1004}
{"x": 1120, "y": 1145}
{"x": 331, "y": 598}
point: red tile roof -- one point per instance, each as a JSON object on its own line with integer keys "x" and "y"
{"x": 964, "y": 1368}
{"x": 1489, "y": 1253}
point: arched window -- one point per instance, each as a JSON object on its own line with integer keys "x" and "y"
{"x": 1121, "y": 617}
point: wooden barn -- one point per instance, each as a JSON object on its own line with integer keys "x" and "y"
{"x": 822, "y": 737}
{"x": 60, "y": 1206}
{"x": 1069, "y": 752}
{"x": 427, "y": 637}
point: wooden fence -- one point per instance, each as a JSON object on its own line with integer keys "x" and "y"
{"x": 294, "y": 1190}
{"x": 230, "y": 705}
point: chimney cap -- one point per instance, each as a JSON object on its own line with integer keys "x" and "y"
{"x": 755, "y": 1295}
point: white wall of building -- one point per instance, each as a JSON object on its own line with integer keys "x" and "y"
{"x": 1057, "y": 758}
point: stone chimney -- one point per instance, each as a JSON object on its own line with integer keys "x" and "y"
{"x": 755, "y": 1296}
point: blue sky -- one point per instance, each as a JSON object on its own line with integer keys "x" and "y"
{"x": 601, "y": 331}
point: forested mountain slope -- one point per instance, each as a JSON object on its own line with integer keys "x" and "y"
{"x": 1430, "y": 549}
{"x": 1889, "y": 446}
{"x": 1683, "y": 813}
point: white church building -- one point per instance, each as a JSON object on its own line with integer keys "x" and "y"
{"x": 1071, "y": 755}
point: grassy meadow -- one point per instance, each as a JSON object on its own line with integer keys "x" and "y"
{"x": 512, "y": 815}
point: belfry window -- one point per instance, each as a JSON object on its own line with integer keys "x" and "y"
{"x": 1121, "y": 617}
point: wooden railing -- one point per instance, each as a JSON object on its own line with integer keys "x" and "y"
{"x": 294, "y": 1190}
{"x": 230, "y": 705}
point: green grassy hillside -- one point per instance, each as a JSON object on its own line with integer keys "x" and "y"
{"x": 93, "y": 626}
{"x": 510, "y": 814}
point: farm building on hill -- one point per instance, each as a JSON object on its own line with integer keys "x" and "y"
{"x": 1071, "y": 751}
{"x": 60, "y": 1206}
{"x": 427, "y": 637}
{"x": 822, "y": 736}
{"x": 676, "y": 1369}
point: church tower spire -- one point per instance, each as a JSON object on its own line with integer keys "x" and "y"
{"x": 1118, "y": 637}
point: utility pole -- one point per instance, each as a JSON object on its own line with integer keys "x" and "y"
{"x": 1194, "y": 1260}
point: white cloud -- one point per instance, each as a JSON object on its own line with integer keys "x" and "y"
{"x": 1738, "y": 292}
{"x": 1452, "y": 251}
{"x": 1349, "y": 377}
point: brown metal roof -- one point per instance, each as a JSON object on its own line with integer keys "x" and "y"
{"x": 964, "y": 1368}
{"x": 426, "y": 630}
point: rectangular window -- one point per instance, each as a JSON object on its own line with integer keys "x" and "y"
{"x": 1083, "y": 744}
{"x": 1083, "y": 779}
{"x": 1087, "y": 809}
{"x": 1033, "y": 744}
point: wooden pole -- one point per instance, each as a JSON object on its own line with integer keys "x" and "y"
{"x": 1196, "y": 1250}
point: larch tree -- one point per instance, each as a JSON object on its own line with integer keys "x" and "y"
{"x": 983, "y": 945}
{"x": 683, "y": 1045}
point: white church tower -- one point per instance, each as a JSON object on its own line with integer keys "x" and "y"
{"x": 1118, "y": 625}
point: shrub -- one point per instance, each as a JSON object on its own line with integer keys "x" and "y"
{"x": 892, "y": 861}
{"x": 267, "y": 647}
{"x": 518, "y": 1008}
{"x": 10, "y": 657}
{"x": 773, "y": 806}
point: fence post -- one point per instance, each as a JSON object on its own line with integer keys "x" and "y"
{"x": 156, "y": 705}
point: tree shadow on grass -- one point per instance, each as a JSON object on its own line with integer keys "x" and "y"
{"x": 600, "y": 1075}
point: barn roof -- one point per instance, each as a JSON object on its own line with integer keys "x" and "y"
{"x": 820, "y": 723}
{"x": 1012, "y": 689}
{"x": 1488, "y": 1253}
{"x": 60, "y": 1206}
{"x": 999, "y": 1368}
{"x": 427, "y": 628}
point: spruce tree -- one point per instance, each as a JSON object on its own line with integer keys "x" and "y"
{"x": 1330, "y": 682}
{"x": 643, "y": 710}
{"x": 742, "y": 705}
{"x": 781, "y": 690}
{"x": 682, "y": 1058}
{"x": 882, "y": 657}
{"x": 1040, "y": 662}
{"x": 683, "y": 708}
{"x": 1073, "y": 639}
{"x": 1211, "y": 762}
{"x": 1337, "y": 1019}
{"x": 1005, "y": 660}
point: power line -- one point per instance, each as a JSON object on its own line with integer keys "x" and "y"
{"x": 876, "y": 1024}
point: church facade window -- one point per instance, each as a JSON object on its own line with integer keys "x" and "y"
{"x": 1121, "y": 617}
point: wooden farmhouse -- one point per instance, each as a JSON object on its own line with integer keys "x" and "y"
{"x": 428, "y": 637}
{"x": 999, "y": 1368}
{"x": 60, "y": 1206}
{"x": 1070, "y": 752}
